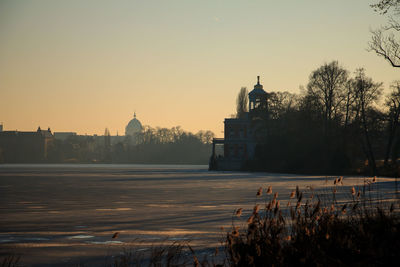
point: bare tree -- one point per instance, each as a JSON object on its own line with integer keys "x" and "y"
{"x": 367, "y": 93}
{"x": 107, "y": 146}
{"x": 386, "y": 46}
{"x": 208, "y": 137}
{"x": 385, "y": 41}
{"x": 348, "y": 104}
{"x": 393, "y": 102}
{"x": 107, "y": 138}
{"x": 280, "y": 103}
{"x": 327, "y": 84}
{"x": 241, "y": 102}
{"x": 383, "y": 6}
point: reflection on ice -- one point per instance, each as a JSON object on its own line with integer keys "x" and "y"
{"x": 20, "y": 239}
{"x": 179, "y": 238}
{"x": 105, "y": 242}
{"x": 80, "y": 237}
{"x": 115, "y": 209}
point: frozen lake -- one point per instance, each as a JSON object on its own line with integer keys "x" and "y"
{"x": 65, "y": 214}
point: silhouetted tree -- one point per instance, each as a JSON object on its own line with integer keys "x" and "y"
{"x": 107, "y": 139}
{"x": 242, "y": 102}
{"x": 385, "y": 41}
{"x": 205, "y": 136}
{"x": 107, "y": 146}
{"x": 383, "y": 6}
{"x": 393, "y": 102}
{"x": 163, "y": 145}
{"x": 327, "y": 85}
{"x": 348, "y": 103}
{"x": 367, "y": 93}
{"x": 332, "y": 127}
{"x": 279, "y": 103}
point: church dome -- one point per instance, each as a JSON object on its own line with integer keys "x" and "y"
{"x": 133, "y": 127}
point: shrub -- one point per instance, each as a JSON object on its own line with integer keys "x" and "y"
{"x": 314, "y": 233}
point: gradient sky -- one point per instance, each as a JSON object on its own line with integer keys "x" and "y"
{"x": 86, "y": 65}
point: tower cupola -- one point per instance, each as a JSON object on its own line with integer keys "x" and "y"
{"x": 258, "y": 98}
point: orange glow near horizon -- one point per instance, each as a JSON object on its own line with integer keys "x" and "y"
{"x": 84, "y": 66}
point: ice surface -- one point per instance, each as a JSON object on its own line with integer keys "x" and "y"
{"x": 62, "y": 206}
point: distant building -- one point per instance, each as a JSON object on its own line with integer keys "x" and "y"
{"x": 28, "y": 147}
{"x": 241, "y": 134}
{"x": 134, "y": 126}
{"x": 63, "y": 135}
{"x": 34, "y": 147}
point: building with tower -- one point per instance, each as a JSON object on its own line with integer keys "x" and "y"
{"x": 241, "y": 135}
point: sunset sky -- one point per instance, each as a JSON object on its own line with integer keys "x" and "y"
{"x": 83, "y": 66}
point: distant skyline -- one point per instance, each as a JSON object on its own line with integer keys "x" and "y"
{"x": 84, "y": 66}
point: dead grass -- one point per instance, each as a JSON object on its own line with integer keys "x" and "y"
{"x": 315, "y": 232}
{"x": 12, "y": 260}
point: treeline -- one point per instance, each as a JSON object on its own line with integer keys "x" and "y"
{"x": 340, "y": 123}
{"x": 152, "y": 145}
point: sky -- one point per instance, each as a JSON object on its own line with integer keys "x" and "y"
{"x": 84, "y": 66}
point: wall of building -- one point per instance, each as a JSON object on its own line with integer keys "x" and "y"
{"x": 25, "y": 147}
{"x": 236, "y": 138}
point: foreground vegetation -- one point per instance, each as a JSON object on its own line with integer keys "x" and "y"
{"x": 306, "y": 230}
{"x": 315, "y": 231}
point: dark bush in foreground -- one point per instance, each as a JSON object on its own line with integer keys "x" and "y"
{"x": 307, "y": 231}
{"x": 313, "y": 234}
